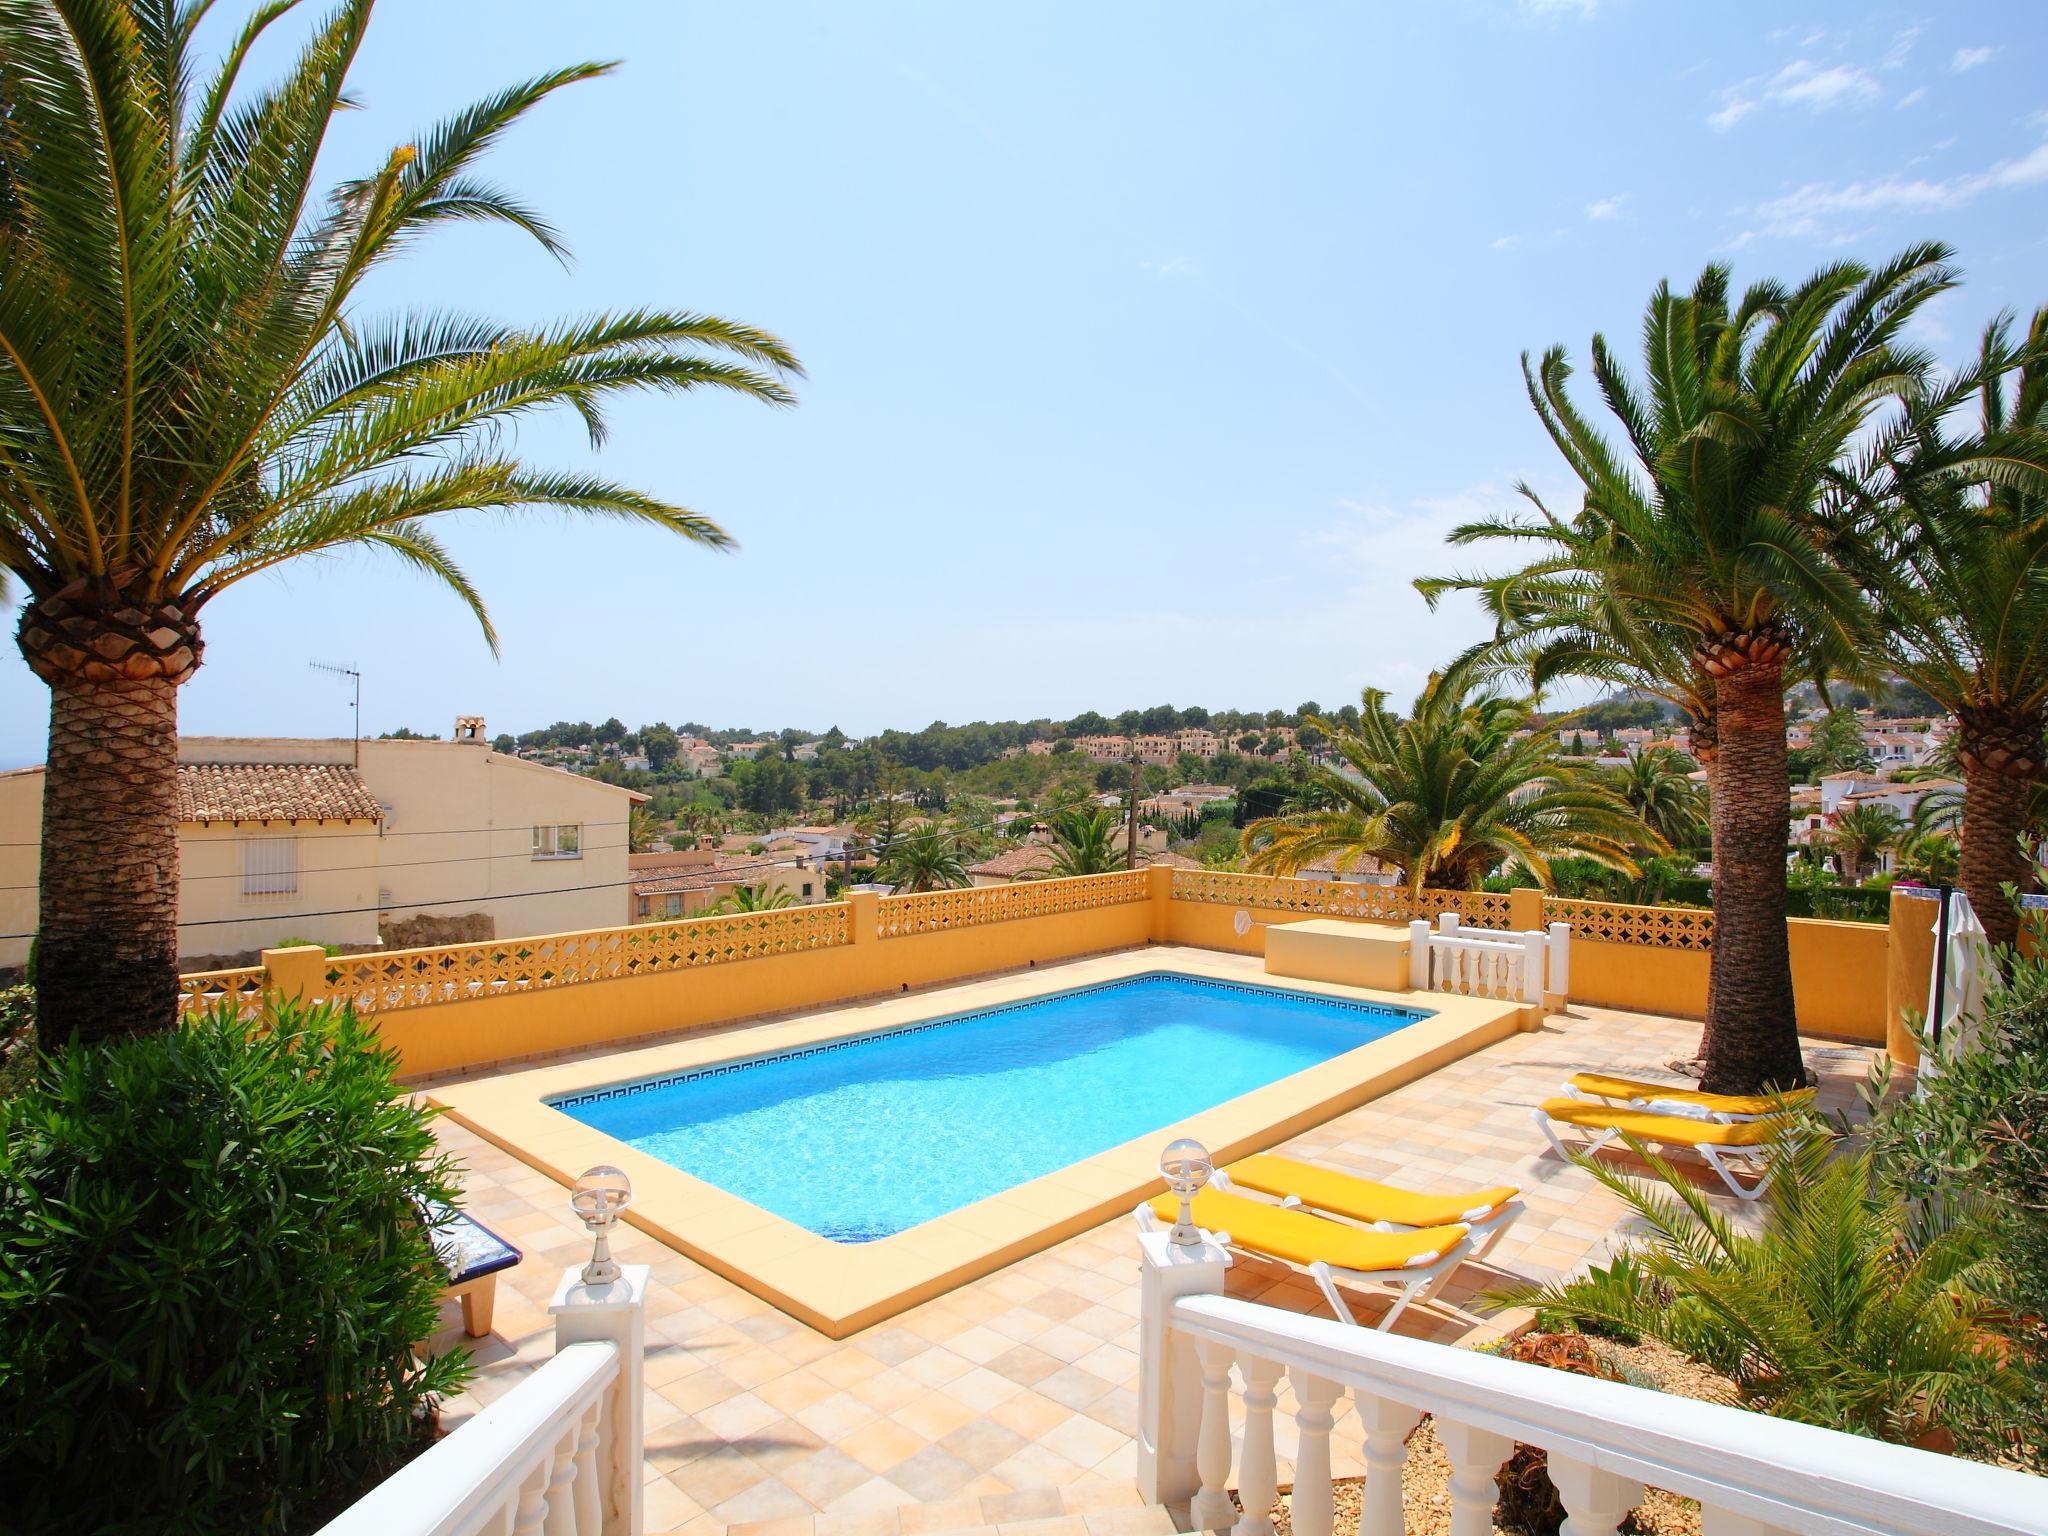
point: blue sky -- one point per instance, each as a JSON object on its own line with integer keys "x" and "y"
{"x": 1151, "y": 348}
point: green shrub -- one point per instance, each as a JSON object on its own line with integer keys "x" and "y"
{"x": 212, "y": 1278}
{"x": 17, "y": 1039}
{"x": 1847, "y": 1309}
{"x": 1975, "y": 1134}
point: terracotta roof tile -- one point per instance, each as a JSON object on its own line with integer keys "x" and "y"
{"x": 274, "y": 792}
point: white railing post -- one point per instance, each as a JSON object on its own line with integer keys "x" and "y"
{"x": 1387, "y": 1427}
{"x": 1475, "y": 1455}
{"x": 1257, "y": 1477}
{"x": 1169, "y": 1369}
{"x": 1595, "y": 1501}
{"x": 1447, "y": 922}
{"x": 1533, "y": 945}
{"x": 615, "y": 1314}
{"x": 1211, "y": 1509}
{"x": 1312, "y": 1509}
{"x": 1418, "y": 955}
{"x": 1557, "y": 988}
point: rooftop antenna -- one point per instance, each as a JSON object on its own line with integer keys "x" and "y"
{"x": 356, "y": 726}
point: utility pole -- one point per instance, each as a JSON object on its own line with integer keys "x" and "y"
{"x": 1131, "y": 822}
{"x": 356, "y": 726}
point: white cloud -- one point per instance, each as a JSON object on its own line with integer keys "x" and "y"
{"x": 1902, "y": 47}
{"x": 1913, "y": 97}
{"x": 1802, "y": 83}
{"x": 1818, "y": 210}
{"x": 1606, "y": 207}
{"x": 1970, "y": 58}
{"x": 1171, "y": 266}
{"x": 1733, "y": 111}
{"x": 1544, "y": 10}
{"x": 1504, "y": 242}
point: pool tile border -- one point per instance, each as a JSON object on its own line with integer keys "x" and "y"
{"x": 840, "y": 1288}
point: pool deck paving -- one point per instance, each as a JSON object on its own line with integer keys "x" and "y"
{"x": 1011, "y": 1401}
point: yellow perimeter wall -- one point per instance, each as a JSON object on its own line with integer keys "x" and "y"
{"x": 442, "y": 1037}
{"x": 1851, "y": 979}
{"x": 1840, "y": 971}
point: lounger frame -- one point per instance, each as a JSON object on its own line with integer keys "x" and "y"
{"x": 1725, "y": 1161}
{"x": 1420, "y": 1282}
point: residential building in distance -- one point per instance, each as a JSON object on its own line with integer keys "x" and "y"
{"x": 357, "y": 843}
{"x": 689, "y": 881}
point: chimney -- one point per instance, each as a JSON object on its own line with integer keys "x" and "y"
{"x": 470, "y": 729}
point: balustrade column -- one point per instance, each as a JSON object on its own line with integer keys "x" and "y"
{"x": 1388, "y": 1425}
{"x": 589, "y": 1496}
{"x": 1475, "y": 1455}
{"x": 1257, "y": 1480}
{"x": 1595, "y": 1502}
{"x": 1313, "y": 1509}
{"x": 1212, "y": 1509}
{"x": 560, "y": 1519}
{"x": 533, "y": 1500}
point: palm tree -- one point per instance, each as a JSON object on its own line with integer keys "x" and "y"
{"x": 642, "y": 830}
{"x": 1931, "y": 858}
{"x": 1715, "y": 532}
{"x": 1962, "y": 583}
{"x": 1449, "y": 795}
{"x": 752, "y": 898}
{"x": 927, "y": 859}
{"x": 1861, "y": 834}
{"x": 1659, "y": 786}
{"x": 1086, "y": 840}
{"x": 191, "y": 391}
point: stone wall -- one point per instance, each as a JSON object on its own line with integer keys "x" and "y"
{"x": 424, "y": 930}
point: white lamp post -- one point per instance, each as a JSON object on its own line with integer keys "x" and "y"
{"x": 1186, "y": 1166}
{"x": 599, "y": 1196}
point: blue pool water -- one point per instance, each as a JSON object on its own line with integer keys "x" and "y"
{"x": 858, "y": 1139}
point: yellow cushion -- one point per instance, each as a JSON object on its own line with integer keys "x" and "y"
{"x": 1361, "y": 1199}
{"x": 1672, "y": 1130}
{"x": 1303, "y": 1239}
{"x": 1727, "y": 1103}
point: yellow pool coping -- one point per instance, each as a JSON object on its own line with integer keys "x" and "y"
{"x": 841, "y": 1288}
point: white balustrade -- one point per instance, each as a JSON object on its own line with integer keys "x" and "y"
{"x": 1477, "y": 962}
{"x": 1752, "y": 1475}
{"x": 558, "y": 1455}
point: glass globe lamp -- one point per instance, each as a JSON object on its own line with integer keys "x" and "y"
{"x": 597, "y": 1199}
{"x": 1186, "y": 1166}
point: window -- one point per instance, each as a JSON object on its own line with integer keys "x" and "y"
{"x": 564, "y": 842}
{"x": 807, "y": 887}
{"x": 270, "y": 866}
{"x": 645, "y": 905}
{"x": 675, "y": 906}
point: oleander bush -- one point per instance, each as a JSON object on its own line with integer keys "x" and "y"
{"x": 213, "y": 1277}
{"x": 1972, "y": 1140}
{"x": 17, "y": 1038}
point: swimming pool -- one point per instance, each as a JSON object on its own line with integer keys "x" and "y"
{"x": 860, "y": 1138}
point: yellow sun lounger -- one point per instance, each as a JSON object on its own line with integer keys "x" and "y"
{"x": 1416, "y": 1264}
{"x": 1636, "y": 1094}
{"x": 1488, "y": 1213}
{"x": 1719, "y": 1143}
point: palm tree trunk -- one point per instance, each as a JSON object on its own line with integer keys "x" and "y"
{"x": 1752, "y": 1037}
{"x": 107, "y": 945}
{"x": 2000, "y": 755}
